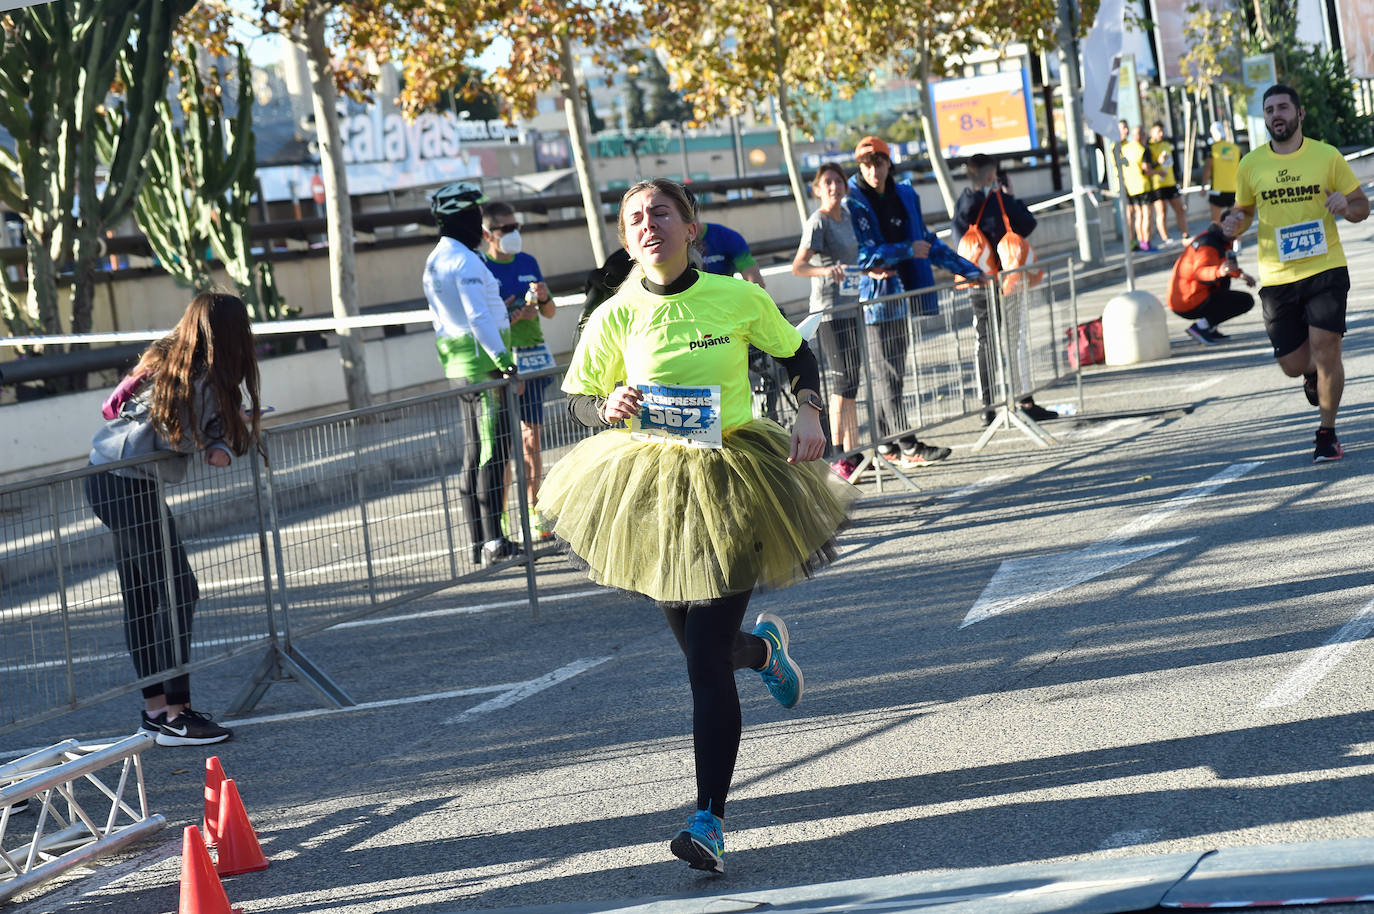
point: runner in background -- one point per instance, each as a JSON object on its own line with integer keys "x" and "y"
{"x": 1135, "y": 172}
{"x": 1200, "y": 284}
{"x": 1164, "y": 185}
{"x": 827, "y": 254}
{"x": 698, "y": 502}
{"x": 1298, "y": 187}
{"x": 724, "y": 252}
{"x": 1219, "y": 174}
{"x": 527, "y": 299}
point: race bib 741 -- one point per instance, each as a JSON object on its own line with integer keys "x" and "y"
{"x": 1300, "y": 240}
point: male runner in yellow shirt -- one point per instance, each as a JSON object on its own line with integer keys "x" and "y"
{"x": 1298, "y": 187}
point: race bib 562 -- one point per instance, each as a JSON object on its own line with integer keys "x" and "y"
{"x": 687, "y": 416}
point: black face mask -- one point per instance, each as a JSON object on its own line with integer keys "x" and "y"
{"x": 464, "y": 226}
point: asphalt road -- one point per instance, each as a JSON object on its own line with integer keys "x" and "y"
{"x": 1149, "y": 639}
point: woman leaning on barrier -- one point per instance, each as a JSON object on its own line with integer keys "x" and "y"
{"x": 697, "y": 503}
{"x": 185, "y": 395}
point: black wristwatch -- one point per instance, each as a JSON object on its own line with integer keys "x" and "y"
{"x": 813, "y": 399}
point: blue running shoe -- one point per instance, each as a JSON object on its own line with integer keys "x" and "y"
{"x": 782, "y": 676}
{"x": 701, "y": 843}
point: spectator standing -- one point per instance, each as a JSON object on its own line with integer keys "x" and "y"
{"x": 1298, "y": 187}
{"x": 472, "y": 334}
{"x": 897, "y": 249}
{"x": 698, "y": 502}
{"x": 1135, "y": 172}
{"x": 1219, "y": 173}
{"x": 983, "y": 203}
{"x": 1200, "y": 284}
{"x": 527, "y": 299}
{"x": 1164, "y": 184}
{"x": 1130, "y": 207}
{"x": 827, "y": 254}
{"x": 184, "y": 396}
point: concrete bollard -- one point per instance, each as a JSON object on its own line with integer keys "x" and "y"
{"x": 1134, "y": 329}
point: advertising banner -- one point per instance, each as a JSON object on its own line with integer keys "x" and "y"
{"x": 988, "y": 114}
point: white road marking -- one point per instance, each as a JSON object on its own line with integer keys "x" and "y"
{"x": 1203, "y": 385}
{"x": 1019, "y": 581}
{"x": 985, "y": 482}
{"x": 464, "y": 610}
{"x": 357, "y": 623}
{"x": 1301, "y": 681}
{"x": 525, "y": 690}
{"x": 508, "y": 693}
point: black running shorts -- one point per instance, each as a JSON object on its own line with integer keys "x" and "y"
{"x": 1166, "y": 193}
{"x": 839, "y": 339}
{"x": 1222, "y": 198}
{"x": 1316, "y": 301}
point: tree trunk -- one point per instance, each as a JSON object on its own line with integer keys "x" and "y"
{"x": 943, "y": 178}
{"x": 784, "y": 117}
{"x": 586, "y": 179}
{"x": 343, "y": 280}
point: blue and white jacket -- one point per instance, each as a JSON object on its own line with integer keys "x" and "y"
{"x": 912, "y": 273}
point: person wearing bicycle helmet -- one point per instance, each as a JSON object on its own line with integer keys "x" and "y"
{"x": 472, "y": 334}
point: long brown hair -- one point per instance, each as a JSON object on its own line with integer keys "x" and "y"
{"x": 212, "y": 342}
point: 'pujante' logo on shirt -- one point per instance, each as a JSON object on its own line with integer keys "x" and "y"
{"x": 707, "y": 340}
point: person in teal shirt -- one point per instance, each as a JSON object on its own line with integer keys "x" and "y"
{"x": 527, "y": 300}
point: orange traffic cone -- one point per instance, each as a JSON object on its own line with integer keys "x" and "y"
{"x": 239, "y": 851}
{"x": 214, "y": 777}
{"x": 201, "y": 892}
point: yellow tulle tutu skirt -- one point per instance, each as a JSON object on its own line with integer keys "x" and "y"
{"x": 679, "y": 524}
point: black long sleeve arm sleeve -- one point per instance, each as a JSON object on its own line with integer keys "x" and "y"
{"x": 586, "y": 410}
{"x": 803, "y": 369}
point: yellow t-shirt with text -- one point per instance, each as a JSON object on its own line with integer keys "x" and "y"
{"x": 1132, "y": 154}
{"x": 696, "y": 338}
{"x": 1225, "y": 160}
{"x": 1297, "y": 235}
{"x": 1162, "y": 157}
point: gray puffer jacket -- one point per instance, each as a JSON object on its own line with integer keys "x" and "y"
{"x": 131, "y": 434}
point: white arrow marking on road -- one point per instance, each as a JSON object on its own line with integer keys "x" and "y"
{"x": 1019, "y": 581}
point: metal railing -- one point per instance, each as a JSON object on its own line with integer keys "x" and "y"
{"x": 353, "y": 513}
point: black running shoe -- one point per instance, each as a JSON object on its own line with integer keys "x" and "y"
{"x": 189, "y": 728}
{"x": 1309, "y": 387}
{"x": 1327, "y": 447}
{"x": 1035, "y": 411}
{"x": 923, "y": 454}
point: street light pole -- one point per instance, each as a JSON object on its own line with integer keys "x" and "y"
{"x": 1085, "y": 212}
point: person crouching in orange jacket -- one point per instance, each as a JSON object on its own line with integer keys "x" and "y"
{"x": 1200, "y": 285}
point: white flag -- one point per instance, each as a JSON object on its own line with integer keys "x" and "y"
{"x": 1101, "y": 54}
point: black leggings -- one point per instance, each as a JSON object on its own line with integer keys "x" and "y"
{"x": 130, "y": 508}
{"x": 486, "y": 448}
{"x": 709, "y": 634}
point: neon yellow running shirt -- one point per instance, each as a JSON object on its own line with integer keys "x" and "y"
{"x": 695, "y": 338}
{"x": 1297, "y": 236}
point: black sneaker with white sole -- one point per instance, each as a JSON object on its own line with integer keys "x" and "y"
{"x": 189, "y": 728}
{"x": 1309, "y": 389}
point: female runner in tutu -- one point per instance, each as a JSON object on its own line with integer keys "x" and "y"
{"x": 696, "y": 503}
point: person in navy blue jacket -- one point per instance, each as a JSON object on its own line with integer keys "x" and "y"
{"x": 897, "y": 249}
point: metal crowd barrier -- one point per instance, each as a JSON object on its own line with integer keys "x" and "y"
{"x": 352, "y": 513}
